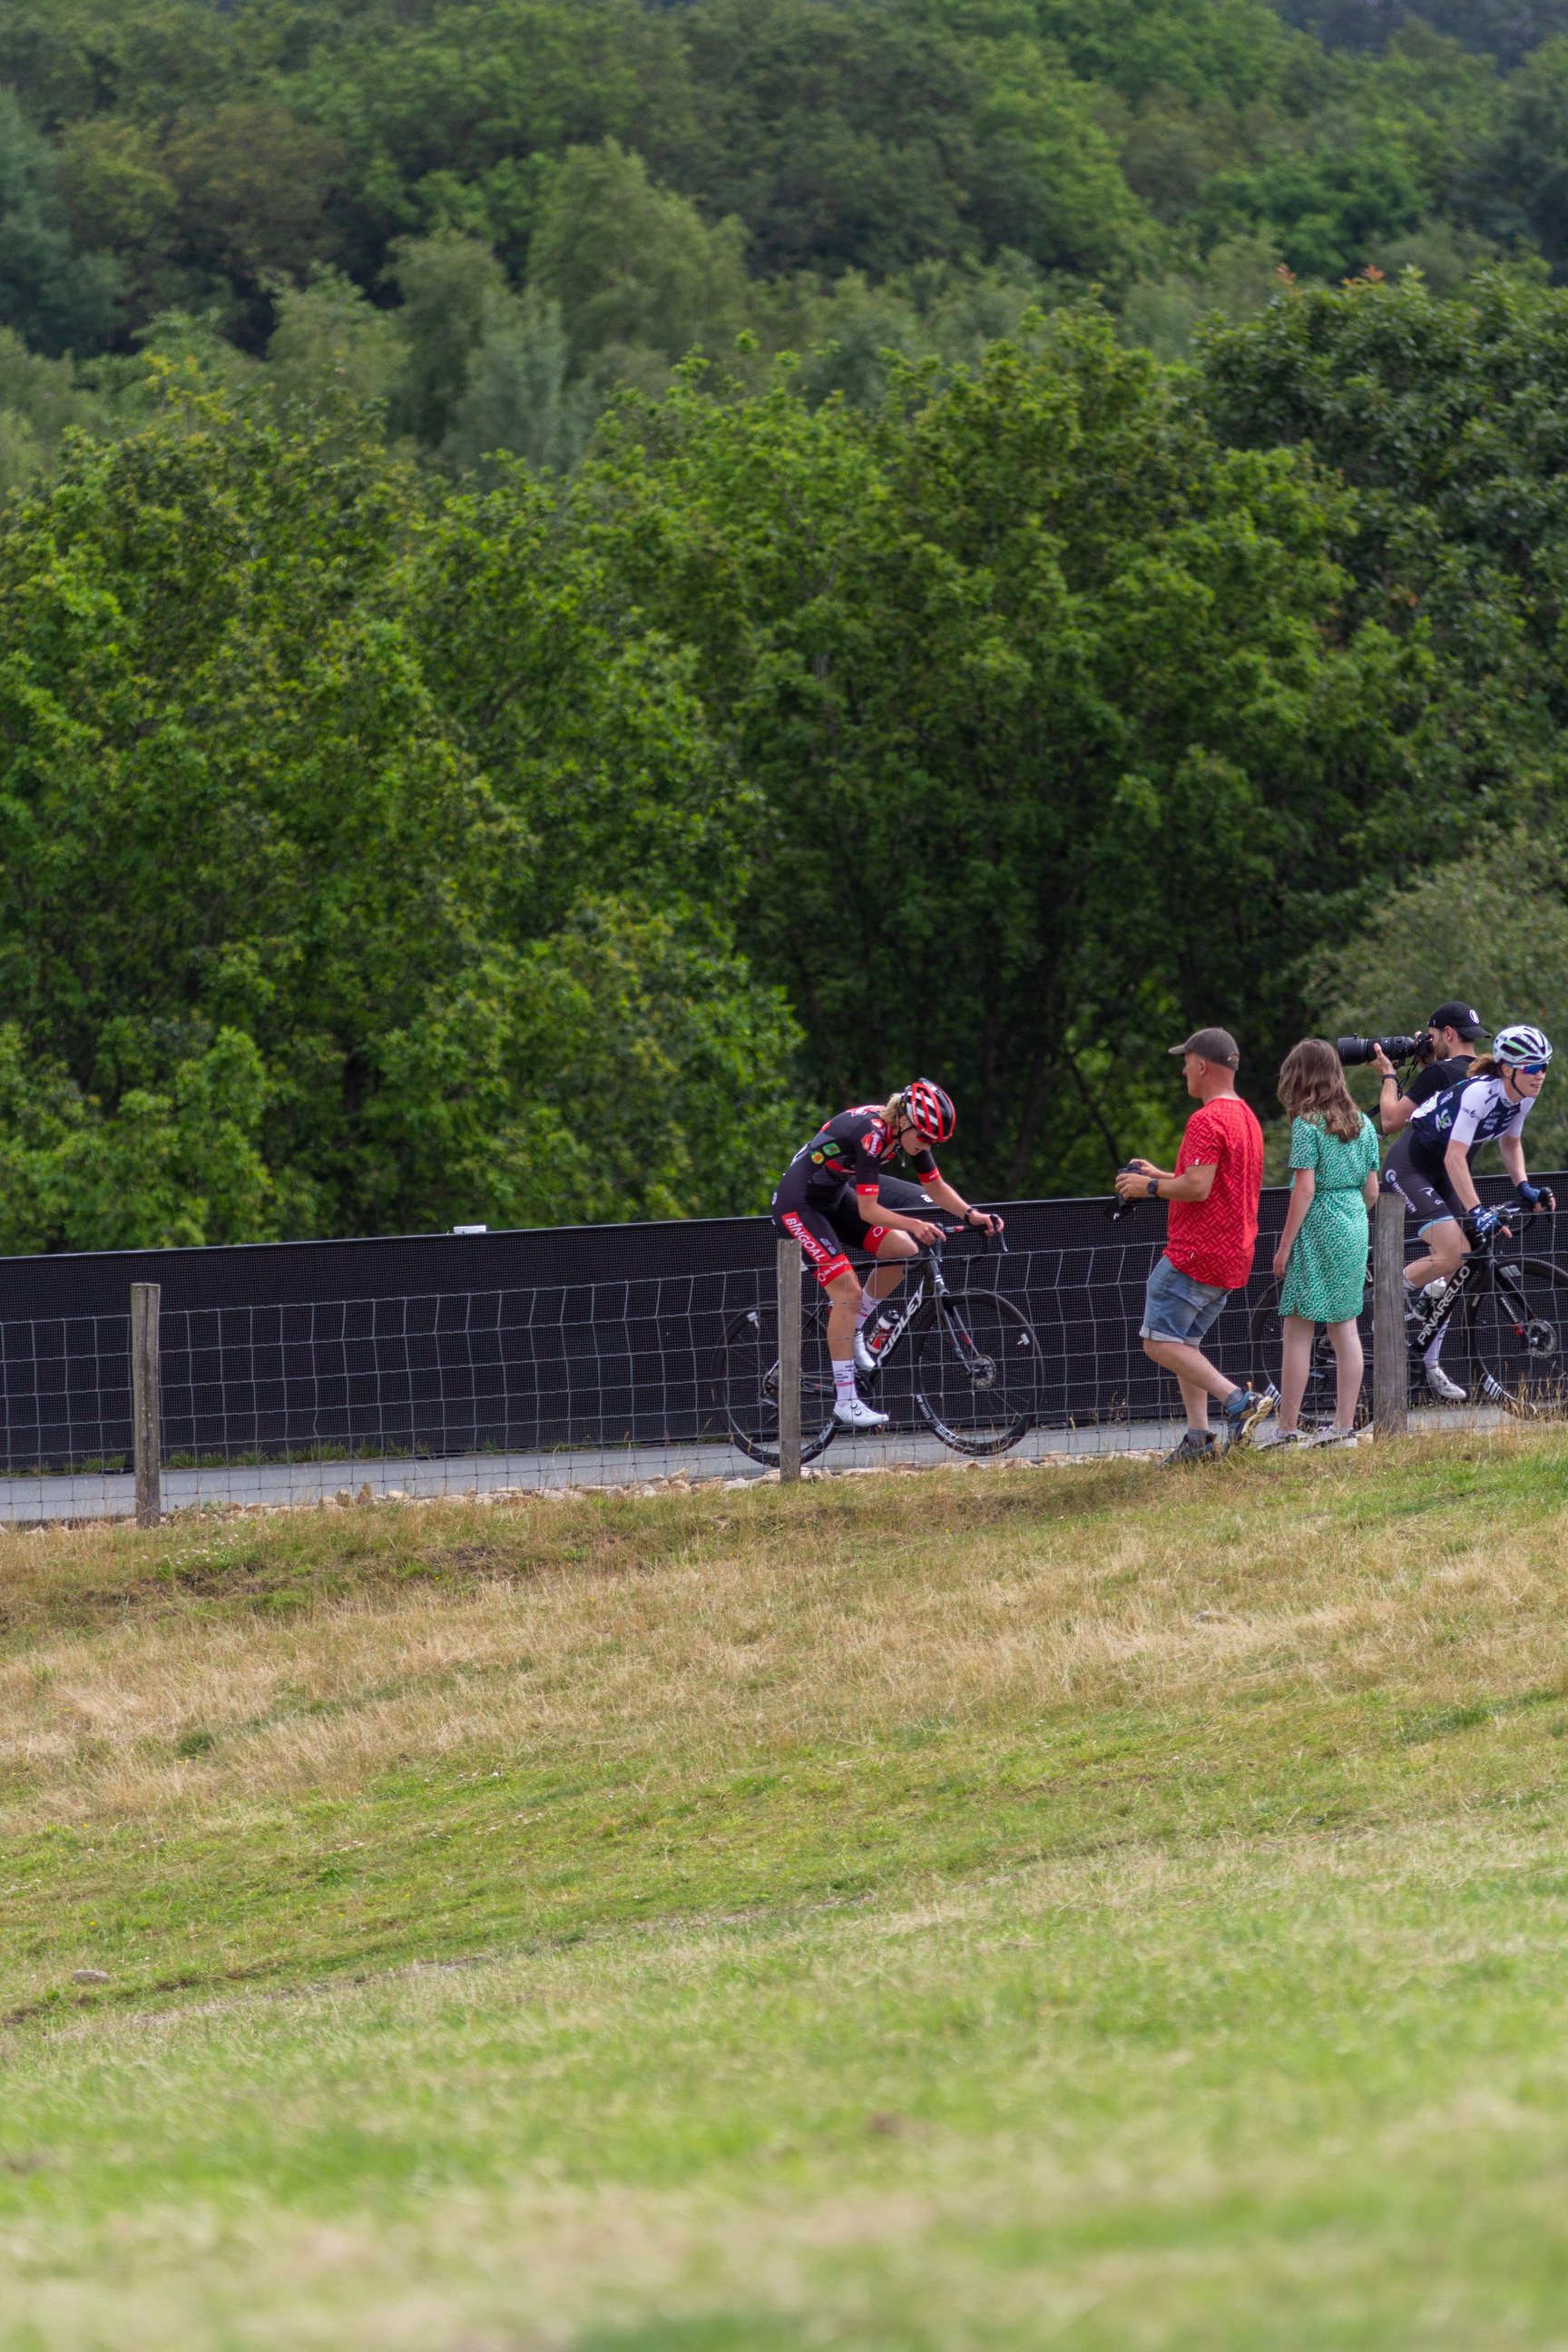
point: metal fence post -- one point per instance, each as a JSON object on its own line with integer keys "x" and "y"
{"x": 789, "y": 1361}
{"x": 1389, "y": 1375}
{"x": 146, "y": 1302}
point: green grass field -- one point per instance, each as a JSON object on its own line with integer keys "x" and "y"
{"x": 1090, "y": 1907}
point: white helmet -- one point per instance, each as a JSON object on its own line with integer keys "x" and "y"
{"x": 1520, "y": 1041}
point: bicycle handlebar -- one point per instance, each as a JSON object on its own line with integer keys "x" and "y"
{"x": 949, "y": 1232}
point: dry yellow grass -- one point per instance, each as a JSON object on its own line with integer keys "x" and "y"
{"x": 923, "y": 1915}
{"x": 717, "y": 1627}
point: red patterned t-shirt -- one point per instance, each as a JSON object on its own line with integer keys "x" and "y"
{"x": 1212, "y": 1240}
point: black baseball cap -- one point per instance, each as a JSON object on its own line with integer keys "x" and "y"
{"x": 1213, "y": 1045}
{"x": 1462, "y": 1018}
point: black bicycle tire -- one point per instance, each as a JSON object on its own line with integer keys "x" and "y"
{"x": 927, "y": 1320}
{"x": 1491, "y": 1388}
{"x": 740, "y": 1330}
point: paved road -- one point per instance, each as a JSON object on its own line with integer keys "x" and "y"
{"x": 32, "y": 1502}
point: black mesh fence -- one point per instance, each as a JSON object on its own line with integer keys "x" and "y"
{"x": 540, "y": 1357}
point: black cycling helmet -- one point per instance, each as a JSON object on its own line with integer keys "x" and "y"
{"x": 928, "y": 1111}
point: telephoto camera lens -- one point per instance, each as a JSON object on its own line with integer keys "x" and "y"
{"x": 1354, "y": 1051}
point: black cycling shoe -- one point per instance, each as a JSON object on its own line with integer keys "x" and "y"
{"x": 1196, "y": 1445}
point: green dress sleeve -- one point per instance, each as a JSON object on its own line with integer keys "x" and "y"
{"x": 1305, "y": 1140}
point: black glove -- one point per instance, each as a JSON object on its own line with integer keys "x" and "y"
{"x": 1535, "y": 1196}
{"x": 1479, "y": 1222}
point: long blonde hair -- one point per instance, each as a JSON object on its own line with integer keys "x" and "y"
{"x": 892, "y": 1109}
{"x": 1312, "y": 1086}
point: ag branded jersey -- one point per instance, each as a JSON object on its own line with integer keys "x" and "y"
{"x": 1476, "y": 1110}
{"x": 853, "y": 1149}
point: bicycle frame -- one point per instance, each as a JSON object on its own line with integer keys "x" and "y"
{"x": 911, "y": 1296}
{"x": 1471, "y": 1269}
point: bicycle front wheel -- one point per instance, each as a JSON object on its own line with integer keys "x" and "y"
{"x": 747, "y": 1383}
{"x": 1508, "y": 1343}
{"x": 977, "y": 1372}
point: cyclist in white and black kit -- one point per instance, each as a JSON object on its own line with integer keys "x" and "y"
{"x": 837, "y": 1194}
{"x": 1430, "y": 1165}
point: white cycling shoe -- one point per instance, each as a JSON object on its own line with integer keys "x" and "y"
{"x": 865, "y": 1362}
{"x": 858, "y": 1414}
{"x": 1439, "y": 1383}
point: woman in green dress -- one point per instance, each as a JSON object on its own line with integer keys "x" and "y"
{"x": 1321, "y": 1256}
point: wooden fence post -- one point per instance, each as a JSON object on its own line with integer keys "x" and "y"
{"x": 789, "y": 1361}
{"x": 146, "y": 1302}
{"x": 1390, "y": 1373}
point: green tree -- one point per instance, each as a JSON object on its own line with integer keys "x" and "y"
{"x": 1059, "y": 740}
{"x": 1491, "y": 927}
{"x": 1446, "y": 420}
{"x": 276, "y": 956}
{"x": 57, "y": 299}
{"x": 630, "y": 264}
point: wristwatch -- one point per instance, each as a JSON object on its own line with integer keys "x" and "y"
{"x": 1154, "y": 1188}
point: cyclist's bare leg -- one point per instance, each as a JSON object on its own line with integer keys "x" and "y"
{"x": 893, "y": 1253}
{"x": 1445, "y": 1246}
{"x": 844, "y": 1291}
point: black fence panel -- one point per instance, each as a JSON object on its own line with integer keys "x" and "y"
{"x": 440, "y": 1345}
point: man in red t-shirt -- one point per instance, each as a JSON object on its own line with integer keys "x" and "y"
{"x": 1213, "y": 1191}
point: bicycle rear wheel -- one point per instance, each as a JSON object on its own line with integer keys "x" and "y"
{"x": 1508, "y": 1343}
{"x": 747, "y": 1384}
{"x": 977, "y": 1375}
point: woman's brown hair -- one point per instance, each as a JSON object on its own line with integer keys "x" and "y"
{"x": 1312, "y": 1086}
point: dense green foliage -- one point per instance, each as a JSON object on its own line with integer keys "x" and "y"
{"x": 461, "y": 757}
{"x": 648, "y": 178}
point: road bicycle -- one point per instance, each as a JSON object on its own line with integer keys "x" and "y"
{"x": 1504, "y": 1322}
{"x": 966, "y": 1360}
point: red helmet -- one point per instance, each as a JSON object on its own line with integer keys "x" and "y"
{"x": 928, "y": 1111}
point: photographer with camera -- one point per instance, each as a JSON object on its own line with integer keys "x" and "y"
{"x": 1443, "y": 1056}
{"x": 1430, "y": 1167}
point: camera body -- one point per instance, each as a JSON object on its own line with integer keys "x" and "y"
{"x": 1119, "y": 1208}
{"x": 1355, "y": 1051}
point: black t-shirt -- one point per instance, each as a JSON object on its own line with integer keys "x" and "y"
{"x": 1436, "y": 1075}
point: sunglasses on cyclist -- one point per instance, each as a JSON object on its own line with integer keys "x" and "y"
{"x": 1530, "y": 1069}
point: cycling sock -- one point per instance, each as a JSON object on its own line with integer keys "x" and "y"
{"x": 867, "y": 1308}
{"x": 843, "y": 1380}
{"x": 1431, "y": 1353}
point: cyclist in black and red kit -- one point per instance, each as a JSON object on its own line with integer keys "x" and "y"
{"x": 836, "y": 1195}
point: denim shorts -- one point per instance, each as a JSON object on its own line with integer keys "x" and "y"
{"x": 1178, "y": 1307}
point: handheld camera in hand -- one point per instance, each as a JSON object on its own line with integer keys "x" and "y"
{"x": 1355, "y": 1052}
{"x": 1119, "y": 1207}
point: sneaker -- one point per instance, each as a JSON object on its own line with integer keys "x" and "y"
{"x": 1271, "y": 1434}
{"x": 1196, "y": 1445}
{"x": 857, "y": 1414}
{"x": 1439, "y": 1383}
{"x": 1333, "y": 1436}
{"x": 1242, "y": 1411}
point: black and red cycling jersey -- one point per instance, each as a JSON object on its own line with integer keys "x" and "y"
{"x": 855, "y": 1148}
{"x": 813, "y": 1202}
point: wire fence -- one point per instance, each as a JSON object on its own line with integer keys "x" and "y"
{"x": 621, "y": 1378}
